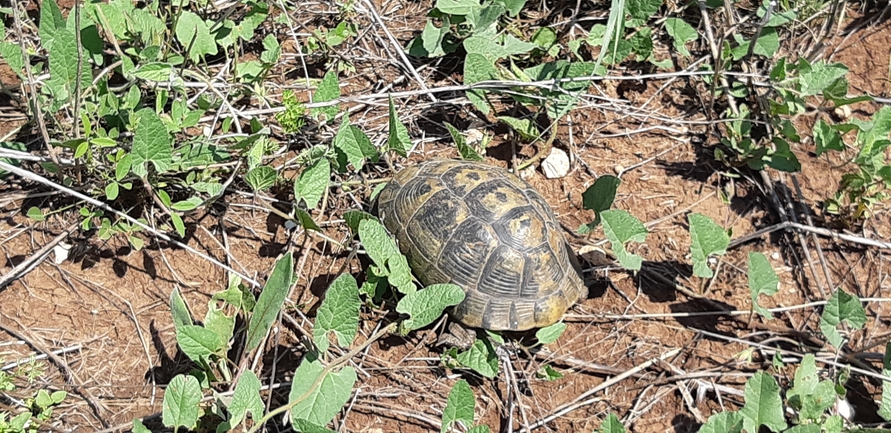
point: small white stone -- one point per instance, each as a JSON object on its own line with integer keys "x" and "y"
{"x": 775, "y": 255}
{"x": 618, "y": 169}
{"x": 474, "y": 136}
{"x": 556, "y": 165}
{"x": 527, "y": 173}
{"x": 844, "y": 409}
{"x": 60, "y": 252}
{"x": 844, "y": 112}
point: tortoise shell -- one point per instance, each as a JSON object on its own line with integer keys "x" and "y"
{"x": 486, "y": 230}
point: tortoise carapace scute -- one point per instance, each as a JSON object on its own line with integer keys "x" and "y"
{"x": 486, "y": 230}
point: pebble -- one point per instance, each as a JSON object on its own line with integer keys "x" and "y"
{"x": 844, "y": 112}
{"x": 556, "y": 165}
{"x": 60, "y": 252}
{"x": 474, "y": 136}
{"x": 527, "y": 173}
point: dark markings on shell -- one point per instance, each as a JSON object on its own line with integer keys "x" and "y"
{"x": 486, "y": 230}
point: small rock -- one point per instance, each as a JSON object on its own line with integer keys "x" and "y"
{"x": 556, "y": 165}
{"x": 60, "y": 252}
{"x": 527, "y": 173}
{"x": 618, "y": 169}
{"x": 775, "y": 256}
{"x": 844, "y": 112}
{"x": 474, "y": 136}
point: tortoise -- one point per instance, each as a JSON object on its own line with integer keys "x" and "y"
{"x": 486, "y": 230}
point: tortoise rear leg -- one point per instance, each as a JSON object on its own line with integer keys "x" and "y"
{"x": 457, "y": 336}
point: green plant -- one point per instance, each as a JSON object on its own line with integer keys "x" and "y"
{"x": 292, "y": 119}
{"x": 136, "y": 138}
{"x": 38, "y": 407}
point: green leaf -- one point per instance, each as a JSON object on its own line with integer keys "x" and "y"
{"x": 63, "y": 68}
{"x": 42, "y": 399}
{"x": 51, "y": 20}
{"x": 642, "y": 43}
{"x": 193, "y": 34}
{"x": 762, "y": 280}
{"x": 777, "y": 18}
{"x": 806, "y": 428}
{"x": 304, "y": 426}
{"x": 186, "y": 205}
{"x": 156, "y": 71}
{"x": 764, "y": 406}
{"x": 707, "y": 238}
{"x": 383, "y": 251}
{"x": 681, "y": 33}
{"x": 151, "y": 143}
{"x": 611, "y": 425}
{"x": 545, "y": 38}
{"x": 806, "y": 379}
{"x": 723, "y": 422}
{"x": 816, "y": 77}
{"x": 425, "y": 306}
{"x": 339, "y": 313}
{"x": 261, "y": 178}
{"x": 815, "y": 404}
{"x": 642, "y": 9}
{"x": 827, "y": 138}
{"x": 179, "y": 310}
{"x": 550, "y": 334}
{"x": 139, "y": 427}
{"x": 305, "y": 220}
{"x": 620, "y": 227}
{"x": 319, "y": 404}
{"x": 480, "y": 358}
{"x": 398, "y": 140}
{"x": 181, "y": 401}
{"x": 12, "y": 53}
{"x": 246, "y": 399}
{"x": 458, "y": 7}
{"x": 885, "y": 407}
{"x": 328, "y": 90}
{"x": 837, "y": 92}
{"x": 459, "y": 406}
{"x": 219, "y": 322}
{"x": 354, "y": 145}
{"x": 841, "y": 307}
{"x": 430, "y": 43}
{"x": 768, "y": 43}
{"x": 272, "y": 50}
{"x": 354, "y": 217}
{"x": 478, "y": 67}
{"x": 178, "y": 225}
{"x": 313, "y": 182}
{"x": 464, "y": 149}
{"x": 525, "y": 127}
{"x": 18, "y": 423}
{"x": 270, "y": 302}
{"x": 599, "y": 197}
{"x": 496, "y": 47}
{"x": 198, "y": 342}
{"x": 36, "y": 214}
